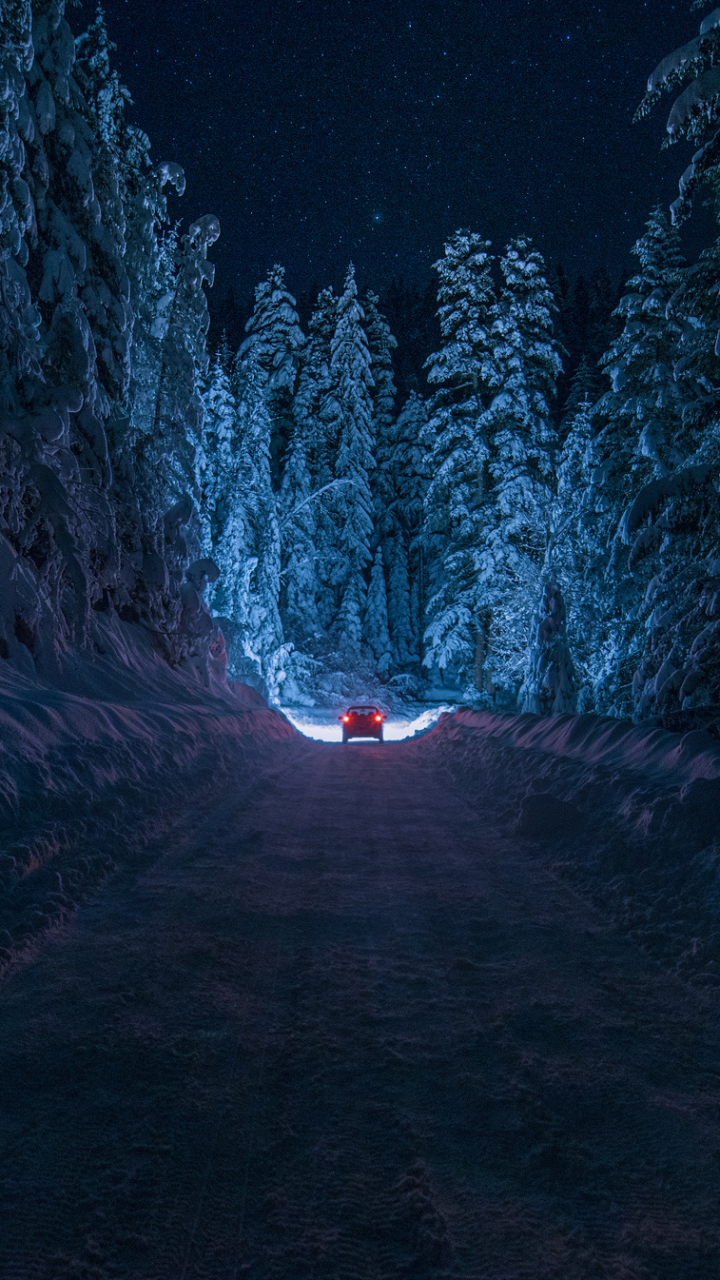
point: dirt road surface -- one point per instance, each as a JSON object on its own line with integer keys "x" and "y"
{"x": 344, "y": 1025}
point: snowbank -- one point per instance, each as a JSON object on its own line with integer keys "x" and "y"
{"x": 602, "y": 740}
{"x": 631, "y": 814}
{"x": 93, "y": 768}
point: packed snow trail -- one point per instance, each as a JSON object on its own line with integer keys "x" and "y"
{"x": 344, "y": 1024}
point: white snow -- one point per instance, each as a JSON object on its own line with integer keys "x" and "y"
{"x": 322, "y": 723}
{"x": 606, "y": 742}
{"x": 117, "y": 749}
{"x": 232, "y": 956}
{"x": 699, "y": 96}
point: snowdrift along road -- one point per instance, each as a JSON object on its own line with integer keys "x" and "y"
{"x": 92, "y": 770}
{"x": 345, "y": 1014}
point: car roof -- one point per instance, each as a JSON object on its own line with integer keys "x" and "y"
{"x": 362, "y": 706}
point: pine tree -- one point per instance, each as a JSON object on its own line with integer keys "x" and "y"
{"x": 584, "y": 388}
{"x": 20, "y": 320}
{"x": 247, "y": 550}
{"x": 512, "y": 544}
{"x": 550, "y": 682}
{"x": 347, "y": 411}
{"x": 311, "y": 538}
{"x": 65, "y": 328}
{"x": 217, "y": 458}
{"x": 85, "y": 517}
{"x": 693, "y": 117}
{"x": 461, "y": 371}
{"x": 677, "y": 679}
{"x": 179, "y": 409}
{"x": 381, "y": 345}
{"x": 575, "y": 553}
{"x": 376, "y": 616}
{"x": 298, "y": 532}
{"x": 402, "y": 605}
{"x": 275, "y": 339}
{"x": 408, "y": 464}
{"x": 313, "y": 386}
{"x": 640, "y": 435}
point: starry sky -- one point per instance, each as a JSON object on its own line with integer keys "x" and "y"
{"x": 324, "y": 131}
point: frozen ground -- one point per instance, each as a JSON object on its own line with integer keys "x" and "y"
{"x": 443, "y": 1008}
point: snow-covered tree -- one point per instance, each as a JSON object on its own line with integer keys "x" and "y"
{"x": 646, "y": 403}
{"x": 247, "y": 550}
{"x": 312, "y": 430}
{"x": 178, "y": 416}
{"x": 512, "y": 544}
{"x": 641, "y": 434}
{"x": 584, "y": 390}
{"x": 408, "y": 466}
{"x": 313, "y": 385}
{"x": 347, "y": 411}
{"x": 550, "y": 683}
{"x": 694, "y": 114}
{"x": 575, "y": 557}
{"x": 678, "y": 669}
{"x": 298, "y": 530}
{"x": 65, "y": 331}
{"x": 460, "y": 372}
{"x": 20, "y": 321}
{"x": 84, "y": 526}
{"x": 275, "y": 339}
{"x": 402, "y": 604}
{"x": 381, "y": 345}
{"x": 376, "y": 616}
{"x": 217, "y": 458}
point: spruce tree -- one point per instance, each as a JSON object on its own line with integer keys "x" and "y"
{"x": 276, "y": 340}
{"x": 347, "y": 411}
{"x": 312, "y": 388}
{"x": 402, "y": 605}
{"x": 312, "y": 430}
{"x": 408, "y": 464}
{"x": 693, "y": 116}
{"x": 87, "y": 517}
{"x": 460, "y": 373}
{"x": 640, "y": 435}
{"x": 298, "y": 508}
{"x": 511, "y": 546}
{"x": 550, "y": 686}
{"x": 247, "y": 550}
{"x": 217, "y": 457}
{"x": 575, "y": 553}
{"x": 377, "y": 630}
{"x": 65, "y": 329}
{"x": 381, "y": 345}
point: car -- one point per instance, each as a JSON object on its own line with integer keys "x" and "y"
{"x": 362, "y": 722}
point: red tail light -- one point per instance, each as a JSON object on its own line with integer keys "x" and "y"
{"x": 346, "y": 719}
{"x": 378, "y": 717}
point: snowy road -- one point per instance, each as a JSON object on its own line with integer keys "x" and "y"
{"x": 346, "y": 1026}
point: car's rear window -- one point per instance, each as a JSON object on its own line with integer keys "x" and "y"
{"x": 361, "y": 711}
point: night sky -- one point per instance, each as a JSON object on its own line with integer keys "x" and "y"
{"x": 321, "y": 131}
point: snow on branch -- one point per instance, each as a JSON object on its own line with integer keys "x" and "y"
{"x": 697, "y": 99}
{"x": 334, "y": 484}
{"x": 652, "y": 495}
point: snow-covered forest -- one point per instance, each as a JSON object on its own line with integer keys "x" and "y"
{"x": 531, "y": 525}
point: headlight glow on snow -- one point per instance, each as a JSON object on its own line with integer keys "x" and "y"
{"x": 321, "y": 724}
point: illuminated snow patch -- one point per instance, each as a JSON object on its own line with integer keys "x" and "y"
{"x": 324, "y": 726}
